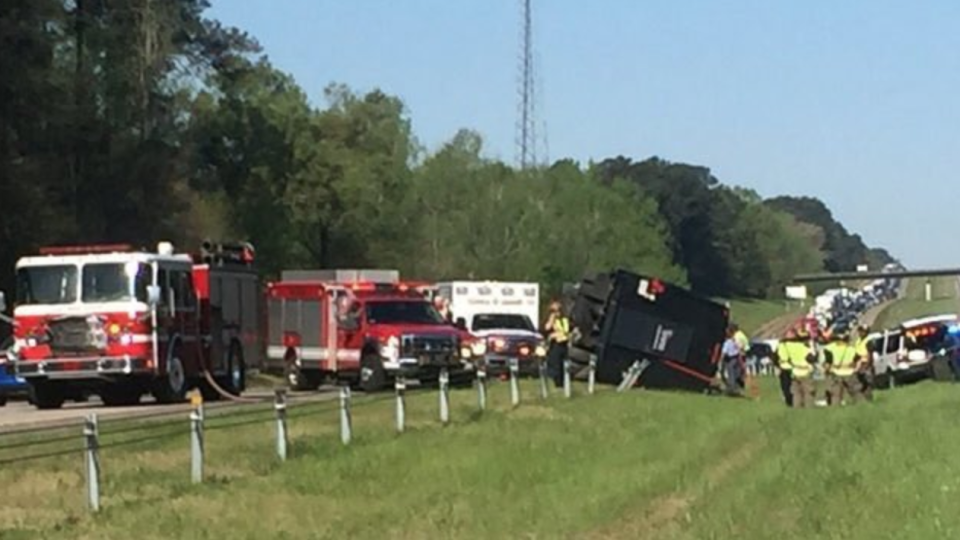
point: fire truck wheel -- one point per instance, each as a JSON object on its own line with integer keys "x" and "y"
{"x": 46, "y": 396}
{"x": 372, "y": 375}
{"x": 173, "y": 387}
{"x": 236, "y": 370}
{"x": 120, "y": 396}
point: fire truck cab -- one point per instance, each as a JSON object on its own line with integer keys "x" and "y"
{"x": 121, "y": 322}
{"x": 361, "y": 327}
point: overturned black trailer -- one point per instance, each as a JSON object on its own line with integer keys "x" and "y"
{"x": 622, "y": 319}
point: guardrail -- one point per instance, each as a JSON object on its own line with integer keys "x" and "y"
{"x": 96, "y": 435}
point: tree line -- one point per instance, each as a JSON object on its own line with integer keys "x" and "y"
{"x": 140, "y": 120}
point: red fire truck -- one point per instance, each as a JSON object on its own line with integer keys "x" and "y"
{"x": 361, "y": 327}
{"x": 121, "y": 322}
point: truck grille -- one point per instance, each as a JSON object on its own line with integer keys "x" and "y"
{"x": 430, "y": 349}
{"x": 74, "y": 335}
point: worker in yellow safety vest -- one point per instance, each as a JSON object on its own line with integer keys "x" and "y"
{"x": 794, "y": 356}
{"x": 841, "y": 361}
{"x": 557, "y": 329}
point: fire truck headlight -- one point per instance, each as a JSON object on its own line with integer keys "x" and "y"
{"x": 540, "y": 350}
{"x": 465, "y": 352}
{"x": 30, "y": 342}
{"x": 391, "y": 348}
{"x": 479, "y": 348}
{"x": 126, "y": 339}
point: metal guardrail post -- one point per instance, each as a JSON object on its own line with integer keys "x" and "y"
{"x": 346, "y": 427}
{"x": 91, "y": 437}
{"x": 444, "y": 396}
{"x": 196, "y": 439}
{"x": 592, "y": 375}
{"x": 542, "y": 372}
{"x": 514, "y": 382}
{"x": 567, "y": 387}
{"x": 482, "y": 387}
{"x": 401, "y": 387}
{"x": 280, "y": 406}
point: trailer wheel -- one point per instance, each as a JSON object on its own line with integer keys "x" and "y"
{"x": 46, "y": 396}
{"x": 373, "y": 376}
{"x": 173, "y": 387}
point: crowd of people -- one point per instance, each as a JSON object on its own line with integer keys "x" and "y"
{"x": 839, "y": 361}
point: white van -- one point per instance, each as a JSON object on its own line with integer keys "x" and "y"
{"x": 904, "y": 353}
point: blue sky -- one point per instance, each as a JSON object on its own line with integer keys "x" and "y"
{"x": 851, "y": 101}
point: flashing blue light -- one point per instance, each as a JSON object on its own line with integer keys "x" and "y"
{"x": 954, "y": 329}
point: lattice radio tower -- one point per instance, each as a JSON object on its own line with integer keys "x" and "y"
{"x": 526, "y": 122}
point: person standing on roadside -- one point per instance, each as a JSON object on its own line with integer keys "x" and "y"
{"x": 841, "y": 357}
{"x": 557, "y": 329}
{"x": 796, "y": 357}
{"x": 732, "y": 365}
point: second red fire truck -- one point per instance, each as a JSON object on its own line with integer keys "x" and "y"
{"x": 122, "y": 323}
{"x": 361, "y": 327}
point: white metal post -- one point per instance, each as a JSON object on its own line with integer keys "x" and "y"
{"x": 592, "y": 374}
{"x": 514, "y": 383}
{"x": 567, "y": 389}
{"x": 196, "y": 444}
{"x": 444, "y": 396}
{"x": 280, "y": 406}
{"x": 542, "y": 371}
{"x": 482, "y": 387}
{"x": 91, "y": 434}
{"x": 401, "y": 387}
{"x": 346, "y": 429}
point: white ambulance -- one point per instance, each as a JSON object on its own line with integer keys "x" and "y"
{"x": 506, "y": 314}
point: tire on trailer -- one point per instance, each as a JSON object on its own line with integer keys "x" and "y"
{"x": 45, "y": 396}
{"x": 373, "y": 376}
{"x": 172, "y": 387}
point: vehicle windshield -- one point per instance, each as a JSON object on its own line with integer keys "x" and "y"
{"x": 101, "y": 282}
{"x": 115, "y": 282}
{"x": 403, "y": 312}
{"x": 47, "y": 284}
{"x": 501, "y": 321}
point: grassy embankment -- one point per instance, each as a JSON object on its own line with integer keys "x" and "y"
{"x": 752, "y": 315}
{"x": 944, "y": 299}
{"x": 639, "y": 465}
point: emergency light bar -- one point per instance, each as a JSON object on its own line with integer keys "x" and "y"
{"x": 216, "y": 252}
{"x": 82, "y": 250}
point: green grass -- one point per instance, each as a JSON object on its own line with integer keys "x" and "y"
{"x": 639, "y": 465}
{"x": 913, "y": 305}
{"x": 753, "y": 314}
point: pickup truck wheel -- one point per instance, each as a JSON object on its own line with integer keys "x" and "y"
{"x": 373, "y": 377}
{"x": 940, "y": 369}
{"x": 46, "y": 396}
{"x": 297, "y": 379}
{"x": 3, "y": 401}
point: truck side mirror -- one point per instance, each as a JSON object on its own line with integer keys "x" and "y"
{"x": 461, "y": 323}
{"x": 153, "y": 295}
